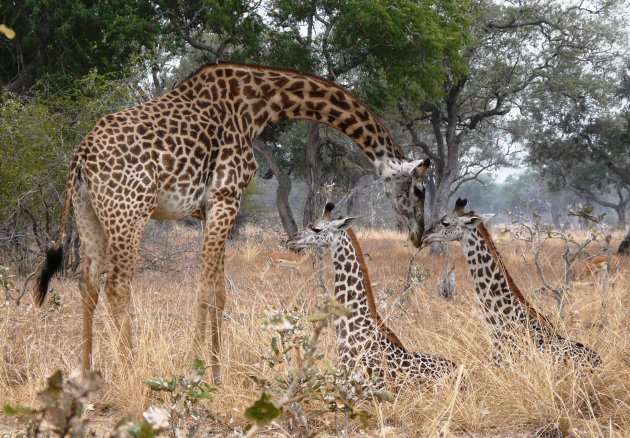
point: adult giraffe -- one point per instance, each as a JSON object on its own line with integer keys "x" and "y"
{"x": 189, "y": 153}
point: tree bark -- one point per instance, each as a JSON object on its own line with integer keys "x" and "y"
{"x": 314, "y": 201}
{"x": 284, "y": 188}
{"x": 444, "y": 188}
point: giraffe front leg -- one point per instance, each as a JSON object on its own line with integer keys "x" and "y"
{"x": 219, "y": 222}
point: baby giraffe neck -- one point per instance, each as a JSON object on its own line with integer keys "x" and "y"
{"x": 364, "y": 326}
{"x": 349, "y": 281}
{"x": 498, "y": 301}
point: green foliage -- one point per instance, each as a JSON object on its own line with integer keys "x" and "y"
{"x": 409, "y": 42}
{"x": 386, "y": 43}
{"x": 263, "y": 411}
{"x": 586, "y": 212}
{"x": 183, "y": 401}
{"x": 28, "y": 160}
{"x": 63, "y": 39}
{"x": 38, "y": 134}
{"x": 161, "y": 384}
{"x": 231, "y": 29}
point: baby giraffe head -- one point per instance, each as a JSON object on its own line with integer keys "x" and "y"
{"x": 321, "y": 233}
{"x": 452, "y": 226}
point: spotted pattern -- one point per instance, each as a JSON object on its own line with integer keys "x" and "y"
{"x": 363, "y": 340}
{"x": 188, "y": 153}
{"x": 506, "y": 311}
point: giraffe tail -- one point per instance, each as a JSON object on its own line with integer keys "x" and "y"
{"x": 54, "y": 255}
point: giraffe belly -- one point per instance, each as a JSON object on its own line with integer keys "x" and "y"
{"x": 174, "y": 205}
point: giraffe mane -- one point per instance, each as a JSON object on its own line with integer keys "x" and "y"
{"x": 395, "y": 146}
{"x": 380, "y": 324}
{"x": 531, "y": 310}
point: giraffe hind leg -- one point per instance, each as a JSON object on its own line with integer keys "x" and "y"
{"x": 123, "y": 251}
{"x": 93, "y": 252}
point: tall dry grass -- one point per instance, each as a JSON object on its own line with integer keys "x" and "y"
{"x": 527, "y": 397}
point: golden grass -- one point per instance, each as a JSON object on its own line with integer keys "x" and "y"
{"x": 527, "y": 397}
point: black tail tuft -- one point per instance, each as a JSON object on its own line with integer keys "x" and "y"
{"x": 54, "y": 257}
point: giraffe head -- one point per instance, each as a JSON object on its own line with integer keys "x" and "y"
{"x": 452, "y": 226}
{"x": 404, "y": 186}
{"x": 322, "y": 232}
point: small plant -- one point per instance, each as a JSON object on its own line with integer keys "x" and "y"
{"x": 535, "y": 233}
{"x": 304, "y": 384}
{"x": 62, "y": 403}
{"x": 181, "y": 412}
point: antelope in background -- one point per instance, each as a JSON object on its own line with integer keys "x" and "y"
{"x": 597, "y": 265}
{"x": 287, "y": 260}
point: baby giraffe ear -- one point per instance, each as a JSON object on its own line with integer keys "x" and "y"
{"x": 473, "y": 221}
{"x": 344, "y": 223}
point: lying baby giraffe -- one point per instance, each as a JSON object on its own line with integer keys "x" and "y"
{"x": 363, "y": 340}
{"x": 506, "y": 311}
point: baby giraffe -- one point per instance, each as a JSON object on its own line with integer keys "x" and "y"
{"x": 506, "y": 311}
{"x": 363, "y": 339}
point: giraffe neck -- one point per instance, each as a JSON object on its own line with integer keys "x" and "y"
{"x": 353, "y": 290}
{"x": 261, "y": 95}
{"x": 502, "y": 302}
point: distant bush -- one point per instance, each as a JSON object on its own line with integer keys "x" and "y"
{"x": 38, "y": 133}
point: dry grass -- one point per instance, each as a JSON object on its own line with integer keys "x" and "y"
{"x": 528, "y": 397}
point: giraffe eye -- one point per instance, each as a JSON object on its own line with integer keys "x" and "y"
{"x": 316, "y": 230}
{"x": 445, "y": 223}
{"x": 417, "y": 191}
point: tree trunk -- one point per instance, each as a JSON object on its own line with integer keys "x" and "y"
{"x": 624, "y": 246}
{"x": 554, "y": 213}
{"x": 621, "y": 217}
{"x": 282, "y": 203}
{"x": 284, "y": 188}
{"x": 440, "y": 203}
{"x": 428, "y": 200}
{"x": 314, "y": 201}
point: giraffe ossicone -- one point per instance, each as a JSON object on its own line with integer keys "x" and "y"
{"x": 506, "y": 311}
{"x": 189, "y": 153}
{"x": 363, "y": 339}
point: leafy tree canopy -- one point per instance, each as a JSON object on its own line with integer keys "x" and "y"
{"x": 65, "y": 38}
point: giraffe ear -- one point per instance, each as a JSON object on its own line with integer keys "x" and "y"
{"x": 416, "y": 168}
{"x": 473, "y": 221}
{"x": 420, "y": 171}
{"x": 344, "y": 223}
